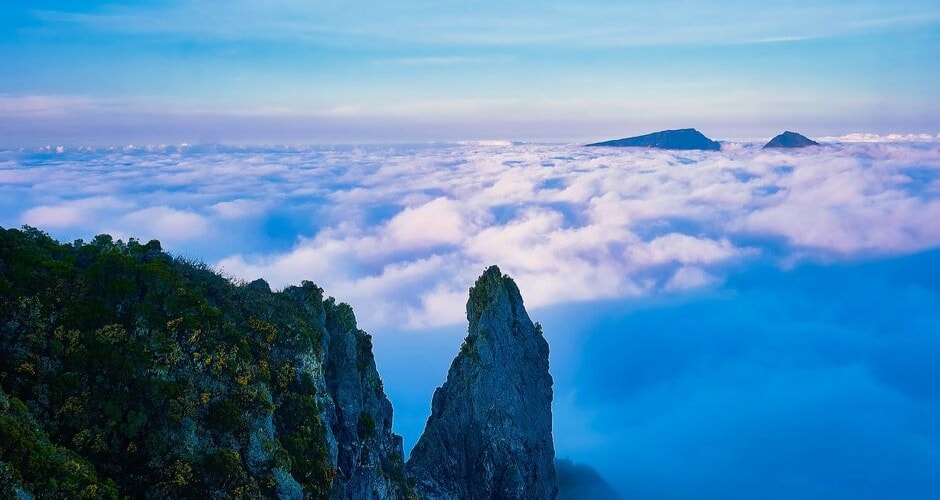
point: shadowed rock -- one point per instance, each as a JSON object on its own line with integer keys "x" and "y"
{"x": 582, "y": 482}
{"x": 684, "y": 139}
{"x": 489, "y": 435}
{"x": 369, "y": 455}
{"x": 790, "y": 140}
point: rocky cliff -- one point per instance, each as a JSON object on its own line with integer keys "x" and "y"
{"x": 128, "y": 373}
{"x": 369, "y": 455}
{"x": 489, "y": 435}
{"x": 147, "y": 376}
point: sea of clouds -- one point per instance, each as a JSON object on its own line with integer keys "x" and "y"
{"x": 401, "y": 232}
{"x": 737, "y": 324}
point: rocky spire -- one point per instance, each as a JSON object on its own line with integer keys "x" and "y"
{"x": 489, "y": 435}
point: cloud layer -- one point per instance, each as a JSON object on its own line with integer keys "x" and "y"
{"x": 814, "y": 383}
{"x": 401, "y": 232}
{"x": 734, "y": 324}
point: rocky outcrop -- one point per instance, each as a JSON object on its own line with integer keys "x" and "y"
{"x": 166, "y": 380}
{"x": 365, "y": 454}
{"x": 369, "y": 454}
{"x": 789, "y": 140}
{"x": 127, "y": 373}
{"x": 683, "y": 139}
{"x": 489, "y": 435}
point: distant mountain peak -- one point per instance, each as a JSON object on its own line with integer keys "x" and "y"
{"x": 679, "y": 139}
{"x": 789, "y": 140}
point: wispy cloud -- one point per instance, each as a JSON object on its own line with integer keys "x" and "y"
{"x": 44, "y": 106}
{"x": 443, "y": 60}
{"x": 594, "y": 24}
{"x": 867, "y": 137}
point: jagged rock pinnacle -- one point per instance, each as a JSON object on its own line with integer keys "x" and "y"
{"x": 489, "y": 435}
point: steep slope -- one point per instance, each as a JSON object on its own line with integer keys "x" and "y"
{"x": 789, "y": 140}
{"x": 489, "y": 435}
{"x": 683, "y": 139}
{"x": 362, "y": 422}
{"x": 172, "y": 382}
{"x": 125, "y": 372}
{"x": 31, "y": 464}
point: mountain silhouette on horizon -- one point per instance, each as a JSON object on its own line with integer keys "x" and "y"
{"x": 789, "y": 140}
{"x": 682, "y": 139}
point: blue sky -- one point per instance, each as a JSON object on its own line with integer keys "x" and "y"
{"x": 329, "y": 71}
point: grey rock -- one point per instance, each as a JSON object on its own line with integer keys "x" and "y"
{"x": 364, "y": 452}
{"x": 287, "y": 487}
{"x": 261, "y": 443}
{"x": 489, "y": 435}
{"x": 369, "y": 455}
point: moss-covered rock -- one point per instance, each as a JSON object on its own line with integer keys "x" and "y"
{"x": 166, "y": 379}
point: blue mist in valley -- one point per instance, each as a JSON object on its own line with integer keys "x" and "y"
{"x": 817, "y": 383}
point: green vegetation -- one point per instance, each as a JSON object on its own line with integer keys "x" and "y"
{"x": 366, "y": 425}
{"x": 128, "y": 372}
{"x": 30, "y": 462}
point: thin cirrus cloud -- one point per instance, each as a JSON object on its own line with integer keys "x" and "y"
{"x": 868, "y": 137}
{"x": 401, "y": 232}
{"x": 260, "y": 71}
{"x": 44, "y": 106}
{"x": 593, "y": 24}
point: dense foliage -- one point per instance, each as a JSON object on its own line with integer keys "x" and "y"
{"x": 137, "y": 374}
{"x": 30, "y": 462}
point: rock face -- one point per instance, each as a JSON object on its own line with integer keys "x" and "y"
{"x": 369, "y": 455}
{"x": 790, "y": 140}
{"x": 365, "y": 455}
{"x": 489, "y": 435}
{"x": 127, "y": 373}
{"x": 178, "y": 383}
{"x": 684, "y": 139}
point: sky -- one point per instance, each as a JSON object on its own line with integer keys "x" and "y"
{"x": 745, "y": 323}
{"x": 327, "y": 72}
